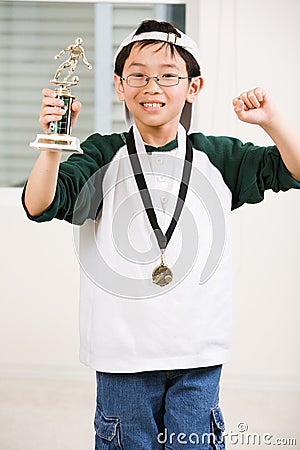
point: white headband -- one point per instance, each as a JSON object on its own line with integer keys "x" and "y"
{"x": 185, "y": 42}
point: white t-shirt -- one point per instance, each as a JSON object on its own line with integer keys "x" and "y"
{"x": 128, "y": 323}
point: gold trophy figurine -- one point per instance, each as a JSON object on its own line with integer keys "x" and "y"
{"x": 59, "y": 137}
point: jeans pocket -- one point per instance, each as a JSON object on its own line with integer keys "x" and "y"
{"x": 107, "y": 432}
{"x": 217, "y": 429}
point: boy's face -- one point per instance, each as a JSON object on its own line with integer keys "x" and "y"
{"x": 154, "y": 106}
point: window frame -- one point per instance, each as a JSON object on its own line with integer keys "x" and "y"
{"x": 192, "y": 28}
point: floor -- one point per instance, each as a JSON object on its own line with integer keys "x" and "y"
{"x": 58, "y": 415}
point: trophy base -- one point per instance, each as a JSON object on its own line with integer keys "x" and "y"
{"x": 57, "y": 143}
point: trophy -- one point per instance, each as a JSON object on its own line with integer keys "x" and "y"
{"x": 59, "y": 137}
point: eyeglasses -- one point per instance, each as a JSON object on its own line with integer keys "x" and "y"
{"x": 140, "y": 80}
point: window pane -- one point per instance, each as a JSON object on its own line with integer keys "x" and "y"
{"x": 31, "y": 34}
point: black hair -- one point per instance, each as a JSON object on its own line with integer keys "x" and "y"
{"x": 193, "y": 69}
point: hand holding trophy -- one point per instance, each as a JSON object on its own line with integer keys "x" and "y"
{"x": 59, "y": 137}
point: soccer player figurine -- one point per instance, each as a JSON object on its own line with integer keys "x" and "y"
{"x": 76, "y": 52}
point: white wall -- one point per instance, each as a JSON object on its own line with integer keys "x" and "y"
{"x": 39, "y": 293}
{"x": 243, "y": 45}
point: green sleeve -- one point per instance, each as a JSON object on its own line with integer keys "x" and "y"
{"x": 247, "y": 169}
{"x": 77, "y": 196}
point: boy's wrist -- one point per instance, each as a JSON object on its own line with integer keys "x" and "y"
{"x": 273, "y": 124}
{"x": 50, "y": 155}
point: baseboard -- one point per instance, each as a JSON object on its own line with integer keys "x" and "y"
{"x": 82, "y": 373}
{"x": 260, "y": 382}
{"x": 47, "y": 372}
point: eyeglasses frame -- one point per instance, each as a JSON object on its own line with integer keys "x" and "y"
{"x": 156, "y": 77}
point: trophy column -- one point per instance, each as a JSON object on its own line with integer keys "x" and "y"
{"x": 64, "y": 125}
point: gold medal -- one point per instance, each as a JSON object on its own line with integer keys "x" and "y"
{"x": 162, "y": 275}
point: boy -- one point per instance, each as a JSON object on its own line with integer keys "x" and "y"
{"x": 155, "y": 250}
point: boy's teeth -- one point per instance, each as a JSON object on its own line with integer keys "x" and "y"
{"x": 152, "y": 105}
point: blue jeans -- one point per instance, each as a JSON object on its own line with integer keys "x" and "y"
{"x": 159, "y": 410}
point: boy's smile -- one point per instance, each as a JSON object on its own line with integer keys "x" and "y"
{"x": 154, "y": 106}
{"x": 156, "y": 109}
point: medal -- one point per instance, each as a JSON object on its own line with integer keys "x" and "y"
{"x": 161, "y": 275}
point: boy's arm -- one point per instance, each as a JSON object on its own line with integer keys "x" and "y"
{"x": 41, "y": 185}
{"x": 256, "y": 107}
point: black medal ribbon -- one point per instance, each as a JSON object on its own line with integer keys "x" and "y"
{"x": 162, "y": 239}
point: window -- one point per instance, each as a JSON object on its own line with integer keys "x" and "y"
{"x": 31, "y": 33}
